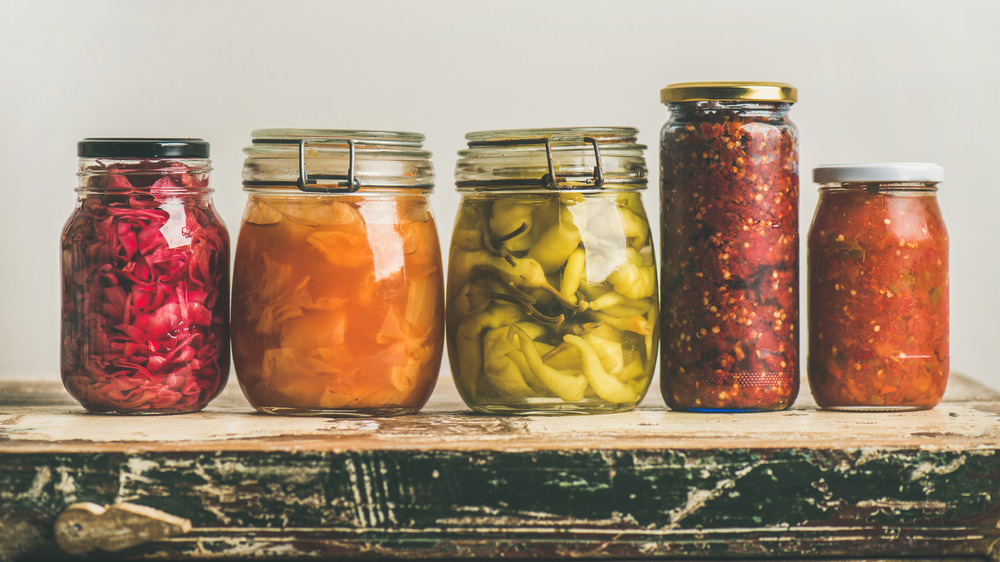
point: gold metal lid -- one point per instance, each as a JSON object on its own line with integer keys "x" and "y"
{"x": 737, "y": 91}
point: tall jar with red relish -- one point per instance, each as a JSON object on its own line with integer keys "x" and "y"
{"x": 729, "y": 244}
{"x": 878, "y": 288}
{"x": 145, "y": 279}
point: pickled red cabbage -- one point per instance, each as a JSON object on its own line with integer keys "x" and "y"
{"x": 145, "y": 292}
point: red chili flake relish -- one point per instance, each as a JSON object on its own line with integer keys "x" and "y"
{"x": 878, "y": 288}
{"x": 729, "y": 239}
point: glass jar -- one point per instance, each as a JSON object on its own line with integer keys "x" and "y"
{"x": 338, "y": 290}
{"x": 145, "y": 279}
{"x": 729, "y": 243}
{"x": 878, "y": 288}
{"x": 552, "y": 280}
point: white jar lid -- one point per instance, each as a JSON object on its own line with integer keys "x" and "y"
{"x": 879, "y": 172}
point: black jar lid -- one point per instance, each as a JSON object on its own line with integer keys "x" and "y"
{"x": 142, "y": 148}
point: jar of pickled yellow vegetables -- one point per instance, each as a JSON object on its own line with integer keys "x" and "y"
{"x": 338, "y": 292}
{"x": 552, "y": 289}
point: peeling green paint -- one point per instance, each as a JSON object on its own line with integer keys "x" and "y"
{"x": 601, "y": 503}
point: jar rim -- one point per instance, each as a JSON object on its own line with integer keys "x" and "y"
{"x": 363, "y": 135}
{"x": 736, "y": 91}
{"x": 557, "y": 135}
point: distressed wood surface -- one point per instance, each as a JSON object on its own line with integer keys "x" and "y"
{"x": 449, "y": 484}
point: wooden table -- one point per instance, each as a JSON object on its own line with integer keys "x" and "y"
{"x": 449, "y": 484}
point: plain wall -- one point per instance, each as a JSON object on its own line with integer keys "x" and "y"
{"x": 877, "y": 80}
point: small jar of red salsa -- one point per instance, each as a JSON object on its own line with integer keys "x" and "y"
{"x": 729, "y": 244}
{"x": 878, "y": 288}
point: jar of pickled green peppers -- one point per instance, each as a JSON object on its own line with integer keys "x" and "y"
{"x": 552, "y": 289}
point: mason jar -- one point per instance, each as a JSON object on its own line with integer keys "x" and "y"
{"x": 145, "y": 279}
{"x": 729, "y": 243}
{"x": 552, "y": 287}
{"x": 338, "y": 291}
{"x": 878, "y": 288}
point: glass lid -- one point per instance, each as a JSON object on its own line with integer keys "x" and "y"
{"x": 579, "y": 158}
{"x": 336, "y": 160}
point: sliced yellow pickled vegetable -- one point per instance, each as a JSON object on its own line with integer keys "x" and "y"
{"x": 607, "y": 386}
{"x": 565, "y": 386}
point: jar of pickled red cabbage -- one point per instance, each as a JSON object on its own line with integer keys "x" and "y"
{"x": 338, "y": 292}
{"x": 729, "y": 189}
{"x": 145, "y": 279}
{"x": 552, "y": 280}
{"x": 878, "y": 288}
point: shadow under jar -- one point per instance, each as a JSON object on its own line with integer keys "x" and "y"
{"x": 730, "y": 248}
{"x": 552, "y": 287}
{"x": 878, "y": 288}
{"x": 145, "y": 279}
{"x": 338, "y": 290}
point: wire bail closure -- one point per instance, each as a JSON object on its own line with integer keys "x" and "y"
{"x": 551, "y": 180}
{"x": 352, "y": 184}
{"x": 346, "y": 183}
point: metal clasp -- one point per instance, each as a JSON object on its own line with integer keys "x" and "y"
{"x": 551, "y": 180}
{"x": 352, "y": 184}
{"x": 305, "y": 181}
{"x": 599, "y": 168}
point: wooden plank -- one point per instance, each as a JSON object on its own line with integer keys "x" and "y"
{"x": 962, "y": 421}
{"x": 447, "y": 484}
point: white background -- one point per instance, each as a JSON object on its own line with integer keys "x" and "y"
{"x": 877, "y": 80}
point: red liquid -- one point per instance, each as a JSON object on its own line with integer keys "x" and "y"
{"x": 145, "y": 274}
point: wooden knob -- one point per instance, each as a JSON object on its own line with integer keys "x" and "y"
{"x": 83, "y": 527}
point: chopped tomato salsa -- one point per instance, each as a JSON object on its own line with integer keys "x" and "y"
{"x": 878, "y": 299}
{"x": 729, "y": 177}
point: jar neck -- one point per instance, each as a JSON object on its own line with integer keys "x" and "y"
{"x": 156, "y": 176}
{"x": 528, "y": 189}
{"x": 883, "y": 188}
{"x": 718, "y": 108}
{"x": 363, "y": 192}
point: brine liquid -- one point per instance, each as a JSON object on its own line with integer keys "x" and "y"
{"x": 552, "y": 302}
{"x": 338, "y": 304}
